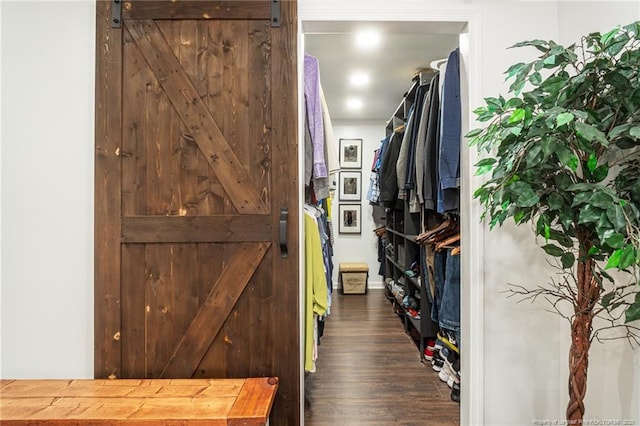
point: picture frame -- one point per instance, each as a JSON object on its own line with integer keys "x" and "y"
{"x": 350, "y": 153}
{"x": 349, "y": 219}
{"x": 350, "y": 185}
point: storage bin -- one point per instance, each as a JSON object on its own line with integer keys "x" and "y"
{"x": 353, "y": 278}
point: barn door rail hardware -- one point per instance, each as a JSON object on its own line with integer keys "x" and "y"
{"x": 116, "y": 13}
{"x": 275, "y": 13}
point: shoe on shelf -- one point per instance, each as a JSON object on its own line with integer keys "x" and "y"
{"x": 455, "y": 392}
{"x": 437, "y": 362}
{"x": 448, "y": 340}
{"x": 444, "y": 373}
{"x": 428, "y": 351}
{"x": 451, "y": 382}
{"x": 450, "y": 359}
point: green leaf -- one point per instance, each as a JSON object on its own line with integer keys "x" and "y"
{"x": 614, "y": 259}
{"x": 564, "y": 118}
{"x": 568, "y": 260}
{"x": 615, "y": 214}
{"x": 600, "y": 173}
{"x": 608, "y": 36}
{"x": 618, "y": 130}
{"x": 632, "y": 313}
{"x": 589, "y": 214}
{"x": 517, "y": 115}
{"x": 581, "y": 198}
{"x": 601, "y": 199}
{"x": 590, "y": 133}
{"x": 514, "y": 69}
{"x": 615, "y": 241}
{"x": 493, "y": 104}
{"x": 553, "y": 250}
{"x": 484, "y": 166}
{"x": 560, "y": 237}
{"x": 473, "y": 133}
{"x": 527, "y": 198}
{"x": 563, "y": 182}
{"x": 513, "y": 103}
{"x": 607, "y": 298}
{"x": 628, "y": 257}
{"x": 550, "y": 60}
{"x": 535, "y": 79}
{"x": 573, "y": 163}
{"x": 555, "y": 201}
{"x": 547, "y": 232}
{"x": 635, "y": 132}
{"x": 592, "y": 162}
{"x": 517, "y": 218}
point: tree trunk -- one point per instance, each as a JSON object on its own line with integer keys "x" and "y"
{"x": 588, "y": 292}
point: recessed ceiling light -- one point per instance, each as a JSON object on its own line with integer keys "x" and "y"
{"x": 367, "y": 39}
{"x": 354, "y": 103}
{"x": 359, "y": 79}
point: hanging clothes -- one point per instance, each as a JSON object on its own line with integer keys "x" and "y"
{"x": 315, "y": 293}
{"x": 313, "y": 104}
{"x": 450, "y": 135}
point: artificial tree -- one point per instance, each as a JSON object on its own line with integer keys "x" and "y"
{"x": 562, "y": 153}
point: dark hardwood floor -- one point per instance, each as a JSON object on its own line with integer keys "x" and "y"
{"x": 369, "y": 371}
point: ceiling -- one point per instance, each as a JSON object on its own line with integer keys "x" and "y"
{"x": 403, "y": 50}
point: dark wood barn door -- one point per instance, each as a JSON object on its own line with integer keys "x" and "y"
{"x": 196, "y": 156}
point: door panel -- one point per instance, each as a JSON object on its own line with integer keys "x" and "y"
{"x": 196, "y": 154}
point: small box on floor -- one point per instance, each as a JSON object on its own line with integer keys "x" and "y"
{"x": 352, "y": 278}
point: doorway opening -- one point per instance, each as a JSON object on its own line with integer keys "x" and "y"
{"x": 328, "y": 41}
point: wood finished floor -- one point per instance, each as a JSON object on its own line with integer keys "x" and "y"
{"x": 369, "y": 371}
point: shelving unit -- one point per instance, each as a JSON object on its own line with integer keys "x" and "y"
{"x": 401, "y": 248}
{"x": 402, "y": 229}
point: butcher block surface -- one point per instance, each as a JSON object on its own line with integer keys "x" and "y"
{"x": 141, "y": 402}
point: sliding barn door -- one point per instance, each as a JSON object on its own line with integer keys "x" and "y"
{"x": 196, "y": 266}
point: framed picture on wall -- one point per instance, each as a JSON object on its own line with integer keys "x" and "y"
{"x": 349, "y": 186}
{"x": 349, "y": 219}
{"x": 350, "y": 153}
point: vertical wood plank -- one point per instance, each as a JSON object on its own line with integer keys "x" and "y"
{"x": 108, "y": 124}
{"x": 159, "y": 326}
{"x": 211, "y": 196}
{"x": 172, "y": 33}
{"x": 186, "y": 155}
{"x": 236, "y": 86}
{"x": 286, "y": 409}
{"x": 185, "y": 287}
{"x": 229, "y": 85}
{"x": 259, "y": 95}
{"x": 133, "y": 115}
{"x": 259, "y": 319}
{"x": 157, "y": 149}
{"x": 133, "y": 311}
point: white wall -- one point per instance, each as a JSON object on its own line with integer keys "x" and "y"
{"x": 47, "y": 188}
{"x": 363, "y": 247}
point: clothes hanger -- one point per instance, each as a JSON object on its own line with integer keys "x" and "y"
{"x": 441, "y": 227}
{"x": 451, "y": 230}
{"x": 447, "y": 243}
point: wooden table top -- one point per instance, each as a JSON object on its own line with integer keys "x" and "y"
{"x": 144, "y": 402}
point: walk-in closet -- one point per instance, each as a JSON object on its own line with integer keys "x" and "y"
{"x": 389, "y": 200}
